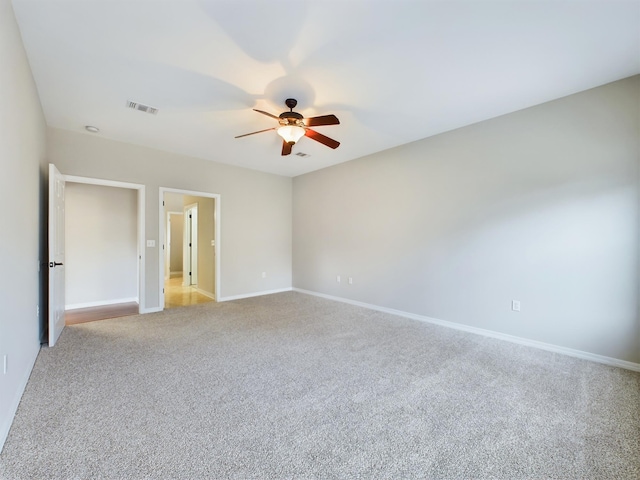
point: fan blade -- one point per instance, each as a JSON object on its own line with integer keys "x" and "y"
{"x": 286, "y": 148}
{"x": 318, "y": 137}
{"x": 323, "y": 120}
{"x": 253, "y": 133}
{"x": 266, "y": 113}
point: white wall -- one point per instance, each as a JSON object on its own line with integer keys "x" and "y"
{"x": 540, "y": 206}
{"x": 173, "y": 202}
{"x": 22, "y": 158}
{"x": 255, "y": 232}
{"x": 176, "y": 225}
{"x": 101, "y": 245}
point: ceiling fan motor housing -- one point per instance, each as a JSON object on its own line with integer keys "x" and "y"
{"x": 291, "y": 118}
{"x": 291, "y": 115}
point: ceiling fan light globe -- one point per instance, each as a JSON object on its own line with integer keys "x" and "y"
{"x": 291, "y": 133}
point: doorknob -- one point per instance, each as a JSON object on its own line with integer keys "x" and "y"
{"x": 54, "y": 264}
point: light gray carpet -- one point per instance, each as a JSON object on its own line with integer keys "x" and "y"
{"x": 292, "y": 386}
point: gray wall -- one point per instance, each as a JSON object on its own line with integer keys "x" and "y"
{"x": 173, "y": 202}
{"x": 101, "y": 245}
{"x": 22, "y": 186}
{"x": 255, "y": 233}
{"x": 539, "y": 206}
{"x": 177, "y": 228}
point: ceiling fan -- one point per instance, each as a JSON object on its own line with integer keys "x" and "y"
{"x": 294, "y": 126}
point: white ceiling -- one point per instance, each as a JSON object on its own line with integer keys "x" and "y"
{"x": 392, "y": 71}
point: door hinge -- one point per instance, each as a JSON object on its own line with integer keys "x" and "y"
{"x": 189, "y": 273}
{"x": 163, "y": 203}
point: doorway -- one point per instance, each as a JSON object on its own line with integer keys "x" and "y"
{"x": 190, "y": 228}
{"x": 136, "y": 269}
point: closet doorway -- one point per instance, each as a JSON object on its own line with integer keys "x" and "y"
{"x": 104, "y": 221}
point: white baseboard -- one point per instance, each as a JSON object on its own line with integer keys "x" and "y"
{"x": 256, "y": 294}
{"x": 13, "y": 407}
{"x": 101, "y": 303}
{"x": 614, "y": 362}
{"x": 205, "y": 293}
{"x": 151, "y": 309}
{"x": 175, "y": 274}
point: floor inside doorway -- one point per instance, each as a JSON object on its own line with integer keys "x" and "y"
{"x": 177, "y": 295}
{"x": 91, "y": 314}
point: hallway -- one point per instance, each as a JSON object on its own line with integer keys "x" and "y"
{"x": 175, "y": 295}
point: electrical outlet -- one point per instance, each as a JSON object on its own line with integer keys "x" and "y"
{"x": 350, "y": 280}
{"x": 338, "y": 278}
{"x": 515, "y": 305}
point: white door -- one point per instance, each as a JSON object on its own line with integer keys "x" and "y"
{"x": 167, "y": 249}
{"x": 56, "y": 254}
{"x": 194, "y": 245}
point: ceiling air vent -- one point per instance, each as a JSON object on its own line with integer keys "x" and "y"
{"x": 302, "y": 154}
{"x": 142, "y": 107}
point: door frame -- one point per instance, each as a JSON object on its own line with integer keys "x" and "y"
{"x": 162, "y": 230}
{"x": 190, "y": 245}
{"x": 142, "y": 307}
